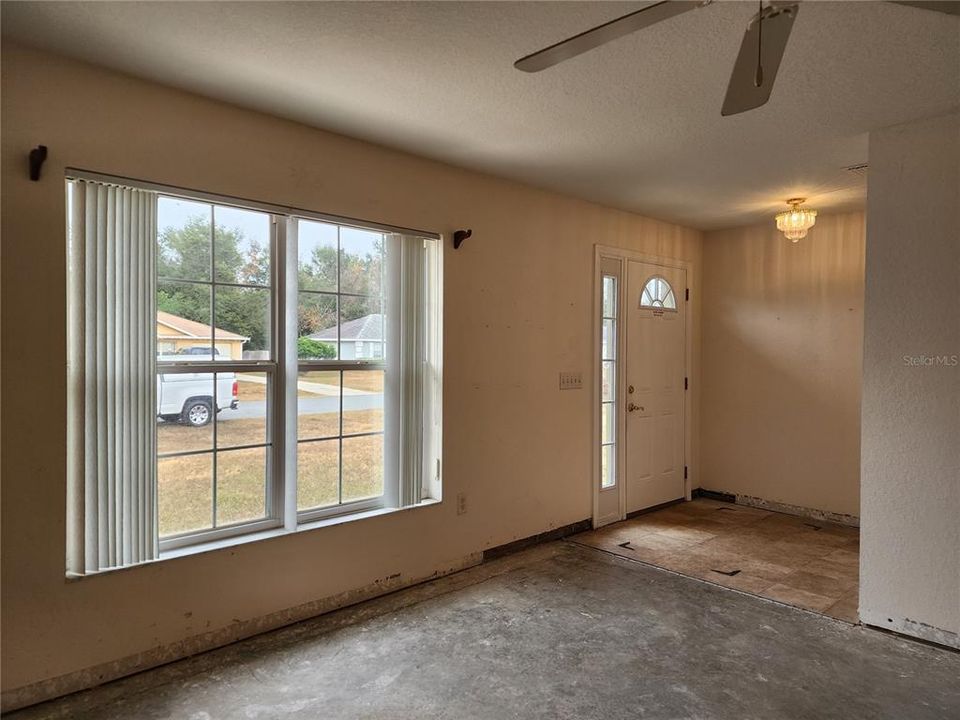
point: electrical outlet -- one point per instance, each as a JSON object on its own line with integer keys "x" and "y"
{"x": 571, "y": 380}
{"x": 461, "y": 504}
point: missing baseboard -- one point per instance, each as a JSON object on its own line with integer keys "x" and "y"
{"x": 654, "y": 508}
{"x": 785, "y": 508}
{"x": 197, "y": 645}
{"x": 544, "y": 537}
{"x": 941, "y": 639}
{"x": 714, "y": 495}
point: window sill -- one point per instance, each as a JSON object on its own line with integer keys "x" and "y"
{"x": 278, "y": 532}
{"x": 258, "y": 536}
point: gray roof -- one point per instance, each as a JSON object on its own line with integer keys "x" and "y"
{"x": 368, "y": 327}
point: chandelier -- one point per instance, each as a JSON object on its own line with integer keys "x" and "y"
{"x": 795, "y": 222}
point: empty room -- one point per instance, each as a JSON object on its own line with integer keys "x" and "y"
{"x": 480, "y": 360}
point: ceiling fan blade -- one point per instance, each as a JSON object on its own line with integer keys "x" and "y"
{"x": 602, "y": 34}
{"x": 749, "y": 87}
{"x": 951, "y": 7}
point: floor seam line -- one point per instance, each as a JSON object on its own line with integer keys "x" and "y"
{"x": 709, "y": 582}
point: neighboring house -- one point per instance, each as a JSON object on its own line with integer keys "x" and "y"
{"x": 178, "y": 335}
{"x": 360, "y": 339}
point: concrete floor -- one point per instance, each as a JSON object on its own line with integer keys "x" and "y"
{"x": 794, "y": 560}
{"x": 558, "y": 631}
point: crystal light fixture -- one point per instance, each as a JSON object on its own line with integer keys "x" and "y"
{"x": 795, "y": 222}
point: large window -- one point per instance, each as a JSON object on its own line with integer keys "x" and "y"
{"x": 240, "y": 367}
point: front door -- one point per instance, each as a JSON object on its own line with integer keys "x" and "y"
{"x": 655, "y": 379}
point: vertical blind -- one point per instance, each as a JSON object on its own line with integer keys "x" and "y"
{"x": 412, "y": 363}
{"x": 112, "y": 240}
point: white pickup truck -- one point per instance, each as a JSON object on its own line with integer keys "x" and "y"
{"x": 187, "y": 398}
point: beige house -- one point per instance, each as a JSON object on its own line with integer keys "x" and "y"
{"x": 176, "y": 334}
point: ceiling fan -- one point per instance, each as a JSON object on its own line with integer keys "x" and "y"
{"x": 760, "y": 52}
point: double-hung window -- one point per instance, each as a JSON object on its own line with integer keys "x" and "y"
{"x": 341, "y": 309}
{"x": 239, "y": 367}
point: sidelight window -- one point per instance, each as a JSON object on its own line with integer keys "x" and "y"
{"x": 608, "y": 380}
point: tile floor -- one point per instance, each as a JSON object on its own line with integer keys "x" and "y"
{"x": 794, "y": 560}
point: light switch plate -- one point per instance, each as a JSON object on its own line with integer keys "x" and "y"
{"x": 571, "y": 380}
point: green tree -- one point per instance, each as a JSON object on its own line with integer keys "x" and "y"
{"x": 360, "y": 277}
{"x": 310, "y": 349}
{"x": 184, "y": 253}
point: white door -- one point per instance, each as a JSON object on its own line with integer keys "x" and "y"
{"x": 655, "y": 378}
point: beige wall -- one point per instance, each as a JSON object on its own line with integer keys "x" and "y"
{"x": 782, "y": 340}
{"x": 518, "y": 303}
{"x": 910, "y": 536}
{"x": 168, "y": 338}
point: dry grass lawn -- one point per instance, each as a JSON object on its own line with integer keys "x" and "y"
{"x": 186, "y": 483}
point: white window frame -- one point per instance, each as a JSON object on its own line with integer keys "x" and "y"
{"x": 274, "y": 471}
{"x": 670, "y": 293}
{"x": 391, "y": 495}
{"x": 615, "y": 360}
{"x": 282, "y": 513}
{"x": 606, "y": 500}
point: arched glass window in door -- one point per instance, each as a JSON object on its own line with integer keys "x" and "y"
{"x": 657, "y": 293}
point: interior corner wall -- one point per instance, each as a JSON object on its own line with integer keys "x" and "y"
{"x": 518, "y": 302}
{"x": 910, "y": 531}
{"x": 781, "y": 352}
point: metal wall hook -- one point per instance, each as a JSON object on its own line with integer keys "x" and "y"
{"x": 37, "y": 156}
{"x": 459, "y": 236}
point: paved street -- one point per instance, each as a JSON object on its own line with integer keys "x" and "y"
{"x": 307, "y": 405}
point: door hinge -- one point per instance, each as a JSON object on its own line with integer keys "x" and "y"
{"x": 688, "y": 294}
{"x": 684, "y": 472}
{"x": 686, "y": 383}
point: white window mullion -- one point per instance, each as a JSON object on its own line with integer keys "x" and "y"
{"x": 288, "y": 289}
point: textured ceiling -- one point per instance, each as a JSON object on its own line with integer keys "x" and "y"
{"x": 635, "y": 124}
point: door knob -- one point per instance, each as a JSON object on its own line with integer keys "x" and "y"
{"x": 631, "y": 407}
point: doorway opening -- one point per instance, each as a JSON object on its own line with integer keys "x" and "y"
{"x": 643, "y": 460}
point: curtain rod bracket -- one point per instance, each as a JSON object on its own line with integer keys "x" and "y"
{"x": 459, "y": 236}
{"x": 37, "y": 156}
